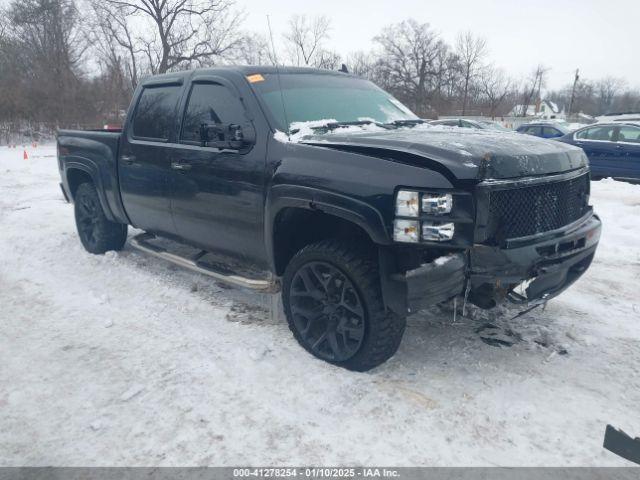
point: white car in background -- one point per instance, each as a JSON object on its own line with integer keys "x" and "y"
{"x": 619, "y": 117}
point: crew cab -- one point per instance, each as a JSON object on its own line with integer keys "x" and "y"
{"x": 323, "y": 187}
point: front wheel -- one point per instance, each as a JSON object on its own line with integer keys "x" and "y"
{"x": 333, "y": 303}
{"x": 97, "y": 233}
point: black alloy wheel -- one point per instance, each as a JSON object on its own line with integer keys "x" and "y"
{"x": 332, "y": 299}
{"x": 327, "y": 310}
{"x": 96, "y": 232}
{"x": 88, "y": 219}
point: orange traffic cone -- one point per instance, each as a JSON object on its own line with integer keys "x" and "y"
{"x": 25, "y": 156}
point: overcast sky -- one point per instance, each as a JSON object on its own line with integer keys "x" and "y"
{"x": 600, "y": 37}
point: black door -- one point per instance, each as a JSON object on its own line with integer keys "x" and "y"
{"x": 144, "y": 164}
{"x": 217, "y": 198}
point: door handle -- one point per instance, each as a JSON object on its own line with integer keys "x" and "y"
{"x": 128, "y": 159}
{"x": 180, "y": 166}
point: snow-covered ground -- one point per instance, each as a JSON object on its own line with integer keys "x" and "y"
{"x": 122, "y": 359}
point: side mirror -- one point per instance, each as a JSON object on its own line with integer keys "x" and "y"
{"x": 236, "y": 136}
{"x": 223, "y": 135}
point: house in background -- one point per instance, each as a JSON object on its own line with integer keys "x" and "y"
{"x": 543, "y": 110}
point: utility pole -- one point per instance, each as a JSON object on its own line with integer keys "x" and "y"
{"x": 538, "y": 100}
{"x": 573, "y": 91}
{"x": 540, "y": 73}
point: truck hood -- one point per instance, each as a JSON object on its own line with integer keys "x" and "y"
{"x": 468, "y": 154}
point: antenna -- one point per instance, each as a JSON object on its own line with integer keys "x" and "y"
{"x": 275, "y": 62}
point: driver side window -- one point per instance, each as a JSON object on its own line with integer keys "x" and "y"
{"x": 210, "y": 103}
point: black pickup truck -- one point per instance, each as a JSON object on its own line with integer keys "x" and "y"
{"x": 323, "y": 186}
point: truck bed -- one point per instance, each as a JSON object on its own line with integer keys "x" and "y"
{"x": 95, "y": 152}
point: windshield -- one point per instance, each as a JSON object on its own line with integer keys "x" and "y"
{"x": 311, "y": 97}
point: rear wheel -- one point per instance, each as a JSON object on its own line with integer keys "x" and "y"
{"x": 97, "y": 233}
{"x": 332, "y": 300}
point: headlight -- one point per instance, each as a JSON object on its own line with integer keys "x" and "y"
{"x": 428, "y": 216}
{"x": 407, "y": 204}
{"x": 437, "y": 203}
{"x": 437, "y": 232}
{"x": 406, "y": 231}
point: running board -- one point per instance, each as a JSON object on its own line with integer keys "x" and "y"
{"x": 141, "y": 242}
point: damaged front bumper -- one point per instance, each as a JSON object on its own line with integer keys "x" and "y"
{"x": 526, "y": 271}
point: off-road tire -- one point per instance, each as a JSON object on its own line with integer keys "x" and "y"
{"x": 96, "y": 232}
{"x": 383, "y": 329}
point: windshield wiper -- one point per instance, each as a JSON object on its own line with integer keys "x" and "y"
{"x": 330, "y": 126}
{"x": 406, "y": 123}
{"x": 356, "y": 123}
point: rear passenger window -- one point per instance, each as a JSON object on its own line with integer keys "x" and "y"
{"x": 629, "y": 134}
{"x": 156, "y": 112}
{"x": 210, "y": 103}
{"x": 596, "y": 133}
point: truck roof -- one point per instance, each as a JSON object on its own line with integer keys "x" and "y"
{"x": 243, "y": 70}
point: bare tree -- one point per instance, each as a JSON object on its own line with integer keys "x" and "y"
{"x": 305, "y": 39}
{"x": 329, "y": 60}
{"x": 14, "y": 106}
{"x": 183, "y": 32}
{"x": 362, "y": 64}
{"x": 115, "y": 40}
{"x": 3, "y": 27}
{"x": 627, "y": 101}
{"x": 495, "y": 86}
{"x": 532, "y": 88}
{"x": 58, "y": 68}
{"x": 114, "y": 54}
{"x": 253, "y": 50}
{"x": 606, "y": 91}
{"x": 411, "y": 62}
{"x": 471, "y": 51}
{"x": 585, "y": 98}
{"x": 48, "y": 36}
{"x": 49, "y": 29}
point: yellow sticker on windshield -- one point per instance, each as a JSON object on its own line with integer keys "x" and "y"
{"x": 256, "y": 77}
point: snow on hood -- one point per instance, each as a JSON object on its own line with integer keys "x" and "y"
{"x": 466, "y": 153}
